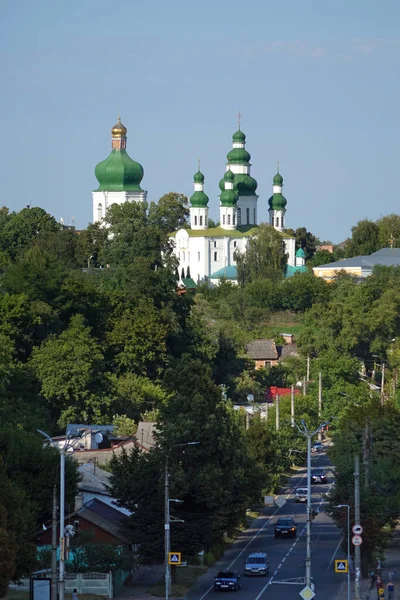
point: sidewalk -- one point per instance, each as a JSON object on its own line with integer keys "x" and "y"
{"x": 391, "y": 563}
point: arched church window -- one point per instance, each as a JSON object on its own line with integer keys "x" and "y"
{"x": 201, "y": 220}
{"x": 229, "y": 219}
{"x": 277, "y": 221}
{"x": 234, "y": 244}
{"x": 99, "y": 212}
{"x": 239, "y": 215}
{"x": 215, "y": 256}
{"x": 223, "y": 219}
{"x": 247, "y": 216}
{"x": 254, "y": 216}
{"x": 195, "y": 220}
{"x": 234, "y": 219}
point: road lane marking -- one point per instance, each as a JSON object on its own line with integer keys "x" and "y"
{"x": 277, "y": 569}
{"x": 244, "y": 549}
{"x": 334, "y": 554}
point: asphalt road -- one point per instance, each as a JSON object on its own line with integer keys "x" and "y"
{"x": 286, "y": 556}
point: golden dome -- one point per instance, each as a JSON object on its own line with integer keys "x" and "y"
{"x": 119, "y": 130}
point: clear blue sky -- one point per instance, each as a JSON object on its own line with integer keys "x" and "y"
{"x": 317, "y": 82}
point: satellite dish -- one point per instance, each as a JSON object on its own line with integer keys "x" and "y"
{"x": 69, "y": 531}
{"x": 250, "y": 398}
{"x": 98, "y": 437}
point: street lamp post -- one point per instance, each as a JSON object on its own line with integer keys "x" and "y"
{"x": 348, "y": 546}
{"x": 309, "y": 435}
{"x": 167, "y": 520}
{"x": 69, "y": 443}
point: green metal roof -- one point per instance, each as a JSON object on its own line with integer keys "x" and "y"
{"x": 278, "y": 179}
{"x": 290, "y": 271}
{"x": 189, "y": 283}
{"x": 119, "y": 173}
{"x": 240, "y": 232}
{"x": 229, "y": 272}
{"x": 239, "y": 156}
{"x": 300, "y": 253}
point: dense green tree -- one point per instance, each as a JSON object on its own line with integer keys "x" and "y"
{"x": 20, "y": 229}
{"x": 321, "y": 257}
{"x": 364, "y": 239}
{"x": 91, "y": 244}
{"x": 305, "y": 240}
{"x": 170, "y": 213}
{"x": 389, "y": 231}
{"x": 70, "y": 370}
{"x": 265, "y": 257}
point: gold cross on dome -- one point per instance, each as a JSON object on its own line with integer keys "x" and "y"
{"x": 198, "y": 164}
{"x": 239, "y": 118}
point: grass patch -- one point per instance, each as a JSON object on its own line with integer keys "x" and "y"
{"x": 182, "y": 579}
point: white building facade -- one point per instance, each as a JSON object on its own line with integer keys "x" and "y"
{"x": 209, "y": 253}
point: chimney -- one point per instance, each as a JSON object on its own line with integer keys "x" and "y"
{"x": 78, "y": 501}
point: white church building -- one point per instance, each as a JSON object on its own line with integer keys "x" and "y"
{"x": 209, "y": 253}
{"x": 203, "y": 252}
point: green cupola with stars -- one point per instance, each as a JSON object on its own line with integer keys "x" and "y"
{"x": 198, "y": 203}
{"x": 277, "y": 203}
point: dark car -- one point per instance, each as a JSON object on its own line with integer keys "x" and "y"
{"x": 285, "y": 527}
{"x": 317, "y": 447}
{"x": 318, "y": 476}
{"x": 227, "y": 580}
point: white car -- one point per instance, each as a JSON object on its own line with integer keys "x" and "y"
{"x": 301, "y": 495}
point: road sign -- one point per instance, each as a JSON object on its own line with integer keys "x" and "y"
{"x": 280, "y": 501}
{"x": 307, "y": 593}
{"x": 357, "y": 540}
{"x": 174, "y": 558}
{"x": 357, "y": 529}
{"x": 341, "y": 566}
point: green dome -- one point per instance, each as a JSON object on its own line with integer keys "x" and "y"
{"x": 277, "y": 202}
{"x": 245, "y": 185}
{"x": 119, "y": 173}
{"x": 228, "y": 198}
{"x": 199, "y": 200}
{"x": 198, "y": 177}
{"x": 300, "y": 253}
{"x": 229, "y": 177}
{"x": 238, "y": 156}
{"x": 278, "y": 179}
{"x": 239, "y": 137}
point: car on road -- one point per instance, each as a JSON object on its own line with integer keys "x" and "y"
{"x": 301, "y": 494}
{"x": 285, "y": 527}
{"x": 318, "y": 476}
{"x": 227, "y": 580}
{"x": 317, "y": 447}
{"x": 256, "y": 564}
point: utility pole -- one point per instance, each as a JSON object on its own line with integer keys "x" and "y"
{"x": 308, "y": 369}
{"x": 383, "y": 384}
{"x": 309, "y": 435}
{"x": 54, "y": 545}
{"x": 304, "y": 387}
{"x": 277, "y": 412}
{"x": 357, "y": 516}
{"x": 292, "y": 406}
{"x": 167, "y": 523}
{"x": 320, "y": 401}
{"x": 61, "y": 580}
{"x": 366, "y": 442}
